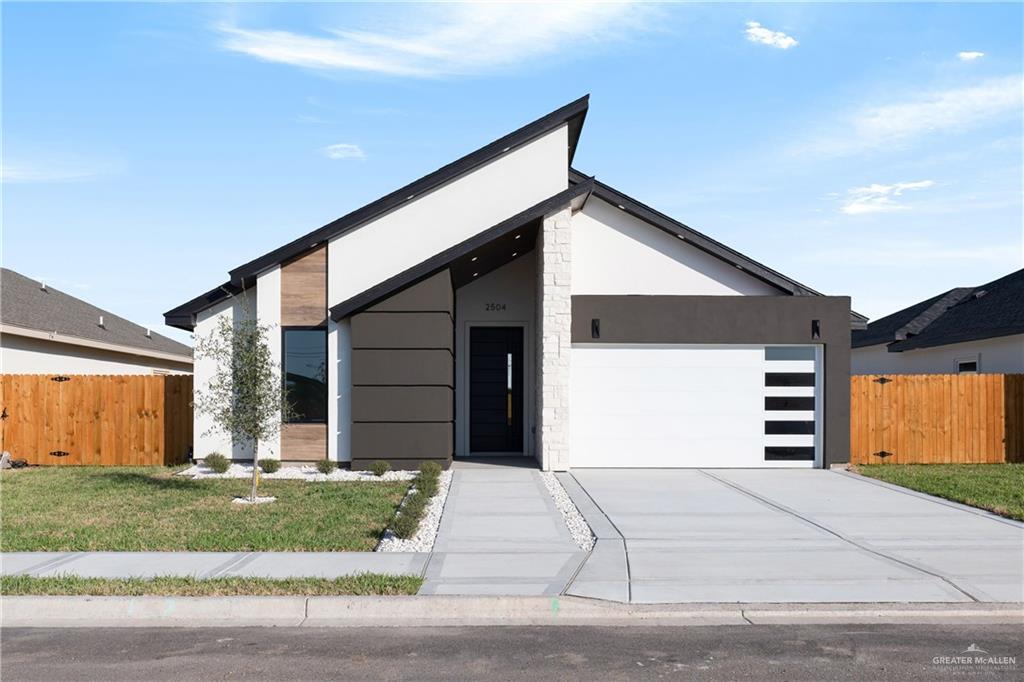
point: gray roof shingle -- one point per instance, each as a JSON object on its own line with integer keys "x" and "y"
{"x": 24, "y": 303}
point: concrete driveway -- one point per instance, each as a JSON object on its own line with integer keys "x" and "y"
{"x": 747, "y": 535}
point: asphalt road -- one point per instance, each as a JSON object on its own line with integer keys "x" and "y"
{"x": 791, "y": 652}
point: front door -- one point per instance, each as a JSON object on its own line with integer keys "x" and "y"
{"x": 495, "y": 390}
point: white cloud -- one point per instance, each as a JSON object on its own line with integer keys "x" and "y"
{"x": 343, "y": 151}
{"x": 878, "y": 198}
{"x": 935, "y": 111}
{"x": 756, "y": 33}
{"x": 969, "y": 56}
{"x": 445, "y": 40}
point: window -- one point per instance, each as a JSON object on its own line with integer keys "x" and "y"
{"x": 967, "y": 365}
{"x": 305, "y": 373}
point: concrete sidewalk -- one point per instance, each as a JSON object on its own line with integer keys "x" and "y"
{"x": 501, "y": 535}
{"x": 211, "y": 564}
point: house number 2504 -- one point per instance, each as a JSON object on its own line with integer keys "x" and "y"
{"x": 492, "y": 307}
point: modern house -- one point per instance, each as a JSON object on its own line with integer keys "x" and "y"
{"x": 507, "y": 304}
{"x": 46, "y": 331}
{"x": 967, "y": 329}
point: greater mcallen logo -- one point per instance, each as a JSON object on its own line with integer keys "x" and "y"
{"x": 975, "y": 656}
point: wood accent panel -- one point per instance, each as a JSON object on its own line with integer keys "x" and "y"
{"x": 303, "y": 442}
{"x": 304, "y": 290}
{"x": 937, "y": 418}
{"x": 100, "y": 420}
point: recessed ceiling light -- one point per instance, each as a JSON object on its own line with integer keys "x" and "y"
{"x": 683, "y": 237}
{"x": 518, "y": 236}
{"x": 475, "y": 274}
{"x": 473, "y": 259}
{"x": 621, "y": 207}
{"x": 515, "y": 253}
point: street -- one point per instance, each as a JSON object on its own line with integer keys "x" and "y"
{"x": 791, "y": 652}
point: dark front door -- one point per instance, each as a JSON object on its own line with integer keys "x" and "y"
{"x": 495, "y": 389}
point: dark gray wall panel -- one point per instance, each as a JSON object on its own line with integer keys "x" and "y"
{"x": 402, "y": 404}
{"x": 412, "y": 367}
{"x": 435, "y": 293}
{"x": 735, "y": 319}
{"x": 403, "y": 330}
{"x": 372, "y": 441}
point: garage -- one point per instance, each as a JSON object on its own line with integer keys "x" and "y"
{"x": 686, "y": 405}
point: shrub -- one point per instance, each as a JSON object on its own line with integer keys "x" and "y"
{"x": 326, "y": 466}
{"x": 416, "y": 504}
{"x": 405, "y": 526}
{"x": 217, "y": 462}
{"x": 431, "y": 469}
{"x": 269, "y": 466}
{"x": 425, "y": 485}
{"x": 380, "y": 467}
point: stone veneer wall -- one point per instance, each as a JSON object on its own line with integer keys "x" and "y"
{"x": 554, "y": 329}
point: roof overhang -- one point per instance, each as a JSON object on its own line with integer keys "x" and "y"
{"x": 706, "y": 244}
{"x": 571, "y": 115}
{"x": 184, "y": 316}
{"x": 478, "y": 255}
{"x": 56, "y": 337}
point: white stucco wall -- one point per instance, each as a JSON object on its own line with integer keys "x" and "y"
{"x": 615, "y": 253}
{"x": 25, "y": 355}
{"x": 268, "y": 311}
{"x": 339, "y": 390}
{"x": 513, "y": 289}
{"x": 206, "y": 439}
{"x": 447, "y": 216}
{"x": 1002, "y": 355}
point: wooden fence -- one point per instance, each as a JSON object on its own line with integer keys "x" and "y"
{"x": 937, "y": 418}
{"x": 120, "y": 420}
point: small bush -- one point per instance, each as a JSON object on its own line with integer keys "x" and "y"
{"x": 431, "y": 469}
{"x": 269, "y": 466}
{"x": 217, "y": 462}
{"x": 380, "y": 467}
{"x": 405, "y": 526}
{"x": 416, "y": 504}
{"x": 425, "y": 485}
{"x": 326, "y": 466}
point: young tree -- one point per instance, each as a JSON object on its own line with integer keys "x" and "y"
{"x": 244, "y": 397}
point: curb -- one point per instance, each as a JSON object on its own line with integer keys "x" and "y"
{"x": 434, "y": 611}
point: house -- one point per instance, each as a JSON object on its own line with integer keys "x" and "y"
{"x": 46, "y": 331}
{"x": 507, "y": 304}
{"x": 967, "y": 329}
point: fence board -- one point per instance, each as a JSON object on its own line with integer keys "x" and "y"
{"x": 109, "y": 420}
{"x": 936, "y": 418}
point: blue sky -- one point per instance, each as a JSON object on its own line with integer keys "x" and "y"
{"x": 873, "y": 150}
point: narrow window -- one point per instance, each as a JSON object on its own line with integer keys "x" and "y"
{"x": 305, "y": 373}
{"x": 967, "y": 365}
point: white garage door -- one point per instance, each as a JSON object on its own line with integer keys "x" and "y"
{"x": 695, "y": 406}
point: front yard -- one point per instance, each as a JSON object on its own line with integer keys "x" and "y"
{"x": 998, "y": 488}
{"x": 150, "y": 509}
{"x": 170, "y": 586}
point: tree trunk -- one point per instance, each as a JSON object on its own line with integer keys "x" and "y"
{"x": 255, "y": 472}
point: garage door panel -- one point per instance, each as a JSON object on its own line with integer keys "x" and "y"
{"x": 691, "y": 406}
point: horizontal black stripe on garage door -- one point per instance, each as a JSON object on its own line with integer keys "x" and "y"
{"x": 781, "y": 453}
{"x": 789, "y": 378}
{"x": 789, "y": 403}
{"x": 775, "y": 428}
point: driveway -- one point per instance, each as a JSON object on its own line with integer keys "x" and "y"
{"x": 747, "y": 535}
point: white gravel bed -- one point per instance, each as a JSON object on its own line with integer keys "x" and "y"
{"x": 578, "y": 527}
{"x": 423, "y": 541}
{"x": 299, "y": 473}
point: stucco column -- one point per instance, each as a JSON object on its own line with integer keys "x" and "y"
{"x": 554, "y": 291}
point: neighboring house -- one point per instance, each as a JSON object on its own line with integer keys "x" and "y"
{"x": 45, "y": 331}
{"x": 506, "y": 304}
{"x": 970, "y": 329}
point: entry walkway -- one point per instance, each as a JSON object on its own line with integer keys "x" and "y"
{"x": 500, "y": 534}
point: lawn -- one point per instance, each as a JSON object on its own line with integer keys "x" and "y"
{"x": 150, "y": 509}
{"x": 363, "y": 584}
{"x": 998, "y": 488}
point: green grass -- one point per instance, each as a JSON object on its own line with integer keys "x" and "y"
{"x": 149, "y": 509}
{"x": 998, "y": 488}
{"x": 363, "y": 584}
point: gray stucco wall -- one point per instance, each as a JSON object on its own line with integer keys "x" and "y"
{"x": 736, "y": 319}
{"x": 402, "y": 377}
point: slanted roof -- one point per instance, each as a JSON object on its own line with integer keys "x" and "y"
{"x": 963, "y": 314}
{"x": 704, "y": 243}
{"x": 571, "y": 115}
{"x": 26, "y": 306}
{"x": 478, "y": 255}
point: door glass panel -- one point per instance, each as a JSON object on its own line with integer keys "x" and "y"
{"x": 508, "y": 389}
